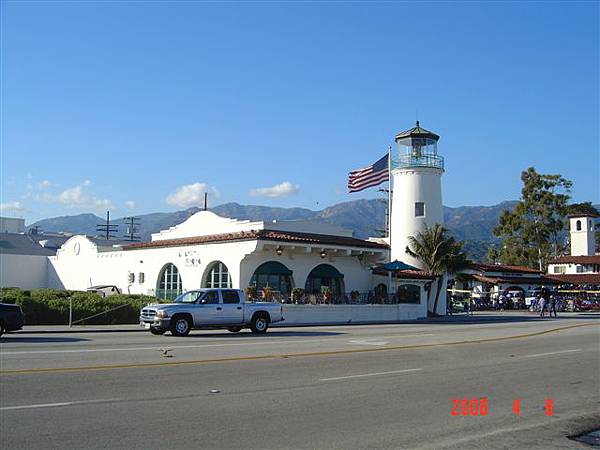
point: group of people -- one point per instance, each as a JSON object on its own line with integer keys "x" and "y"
{"x": 548, "y": 302}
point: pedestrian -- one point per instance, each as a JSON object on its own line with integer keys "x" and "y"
{"x": 468, "y": 306}
{"x": 552, "y": 306}
{"x": 543, "y": 302}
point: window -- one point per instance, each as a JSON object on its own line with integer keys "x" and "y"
{"x": 419, "y": 209}
{"x": 559, "y": 269}
{"x": 230, "y": 297}
{"x": 578, "y": 225}
{"x": 579, "y": 269}
{"x": 141, "y": 277}
{"x": 218, "y": 276}
{"x": 409, "y": 293}
{"x": 131, "y": 278}
{"x": 169, "y": 283}
{"x": 188, "y": 297}
{"x": 209, "y": 298}
{"x": 274, "y": 275}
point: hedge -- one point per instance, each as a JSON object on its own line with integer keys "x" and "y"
{"x": 51, "y": 306}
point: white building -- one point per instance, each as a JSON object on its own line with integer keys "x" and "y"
{"x": 582, "y": 267}
{"x": 334, "y": 269}
{"x": 12, "y": 225}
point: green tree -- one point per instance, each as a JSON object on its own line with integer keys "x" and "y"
{"x": 439, "y": 253}
{"x": 531, "y": 232}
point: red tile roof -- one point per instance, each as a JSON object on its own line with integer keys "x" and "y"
{"x": 594, "y": 259}
{"x": 504, "y": 268}
{"x": 514, "y": 280}
{"x": 578, "y": 278}
{"x": 268, "y": 235}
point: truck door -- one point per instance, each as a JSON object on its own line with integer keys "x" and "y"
{"x": 233, "y": 310}
{"x": 207, "y": 310}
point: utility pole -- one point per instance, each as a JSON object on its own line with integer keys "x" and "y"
{"x": 106, "y": 228}
{"x": 133, "y": 227}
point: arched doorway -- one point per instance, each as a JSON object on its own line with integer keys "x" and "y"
{"x": 274, "y": 275}
{"x": 168, "y": 285}
{"x": 217, "y": 276}
{"x": 327, "y": 281}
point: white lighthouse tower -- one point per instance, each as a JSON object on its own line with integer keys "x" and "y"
{"x": 416, "y": 171}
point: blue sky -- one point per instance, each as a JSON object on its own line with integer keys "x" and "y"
{"x": 142, "y": 106}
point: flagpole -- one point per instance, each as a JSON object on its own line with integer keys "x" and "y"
{"x": 390, "y": 198}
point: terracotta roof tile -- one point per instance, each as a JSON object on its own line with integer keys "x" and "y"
{"x": 269, "y": 235}
{"x": 504, "y": 268}
{"x": 579, "y": 278}
{"x": 594, "y": 259}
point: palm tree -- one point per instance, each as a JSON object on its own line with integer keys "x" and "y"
{"x": 439, "y": 253}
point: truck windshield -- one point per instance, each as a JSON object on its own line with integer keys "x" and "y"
{"x": 189, "y": 297}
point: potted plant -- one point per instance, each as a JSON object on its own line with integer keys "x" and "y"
{"x": 354, "y": 296}
{"x": 297, "y": 294}
{"x": 267, "y": 293}
{"x": 250, "y": 292}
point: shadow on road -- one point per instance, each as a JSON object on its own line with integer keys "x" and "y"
{"x": 8, "y": 338}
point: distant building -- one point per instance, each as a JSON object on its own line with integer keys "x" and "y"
{"x": 582, "y": 267}
{"x": 12, "y": 225}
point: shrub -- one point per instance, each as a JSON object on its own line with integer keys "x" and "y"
{"x": 51, "y": 306}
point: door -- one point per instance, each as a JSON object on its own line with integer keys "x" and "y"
{"x": 207, "y": 309}
{"x": 233, "y": 310}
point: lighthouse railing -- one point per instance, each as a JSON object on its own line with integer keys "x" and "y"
{"x": 425, "y": 160}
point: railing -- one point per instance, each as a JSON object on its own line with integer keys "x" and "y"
{"x": 427, "y": 160}
{"x": 362, "y": 298}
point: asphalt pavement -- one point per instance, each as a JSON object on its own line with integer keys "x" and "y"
{"x": 379, "y": 386}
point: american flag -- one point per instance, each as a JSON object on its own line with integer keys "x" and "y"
{"x": 369, "y": 176}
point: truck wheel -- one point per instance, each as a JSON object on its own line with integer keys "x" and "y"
{"x": 180, "y": 326}
{"x": 235, "y": 329}
{"x": 2, "y": 330}
{"x": 156, "y": 331}
{"x": 259, "y": 324}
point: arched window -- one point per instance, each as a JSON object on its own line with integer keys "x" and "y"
{"x": 408, "y": 293}
{"x": 578, "y": 225}
{"x": 169, "y": 283}
{"x": 325, "y": 280}
{"x": 217, "y": 276}
{"x": 274, "y": 275}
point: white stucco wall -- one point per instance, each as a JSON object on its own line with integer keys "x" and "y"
{"x": 421, "y": 184}
{"x": 23, "y": 271}
{"x": 350, "y": 314}
{"x": 583, "y": 242}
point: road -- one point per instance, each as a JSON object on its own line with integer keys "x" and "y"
{"x": 384, "y": 386}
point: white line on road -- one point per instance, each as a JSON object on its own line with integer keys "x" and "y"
{"x": 374, "y": 374}
{"x": 552, "y": 353}
{"x": 175, "y": 347}
{"x": 55, "y": 405}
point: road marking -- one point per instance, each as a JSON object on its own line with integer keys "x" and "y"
{"x": 552, "y": 353}
{"x": 284, "y": 355}
{"x": 367, "y": 342}
{"x": 175, "y": 347}
{"x": 55, "y": 405}
{"x": 374, "y": 374}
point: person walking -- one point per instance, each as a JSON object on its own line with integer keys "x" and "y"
{"x": 543, "y": 301}
{"x": 552, "y": 306}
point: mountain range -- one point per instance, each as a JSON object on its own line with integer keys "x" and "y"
{"x": 471, "y": 224}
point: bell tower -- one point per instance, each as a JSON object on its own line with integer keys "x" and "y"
{"x": 583, "y": 239}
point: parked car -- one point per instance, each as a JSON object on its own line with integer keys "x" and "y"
{"x": 104, "y": 290}
{"x": 11, "y": 318}
{"x": 210, "y": 309}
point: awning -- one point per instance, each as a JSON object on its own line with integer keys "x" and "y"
{"x": 325, "y": 271}
{"x": 272, "y": 268}
{"x": 397, "y": 265}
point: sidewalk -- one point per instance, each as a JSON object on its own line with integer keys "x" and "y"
{"x": 461, "y": 318}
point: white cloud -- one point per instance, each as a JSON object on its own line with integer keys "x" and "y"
{"x": 77, "y": 197}
{"x": 12, "y": 206}
{"x": 44, "y": 184}
{"x": 191, "y": 195}
{"x": 130, "y": 204}
{"x": 284, "y": 189}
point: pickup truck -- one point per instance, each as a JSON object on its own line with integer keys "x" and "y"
{"x": 210, "y": 309}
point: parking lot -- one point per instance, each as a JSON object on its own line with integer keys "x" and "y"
{"x": 379, "y": 386}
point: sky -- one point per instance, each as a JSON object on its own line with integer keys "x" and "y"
{"x": 142, "y": 107}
